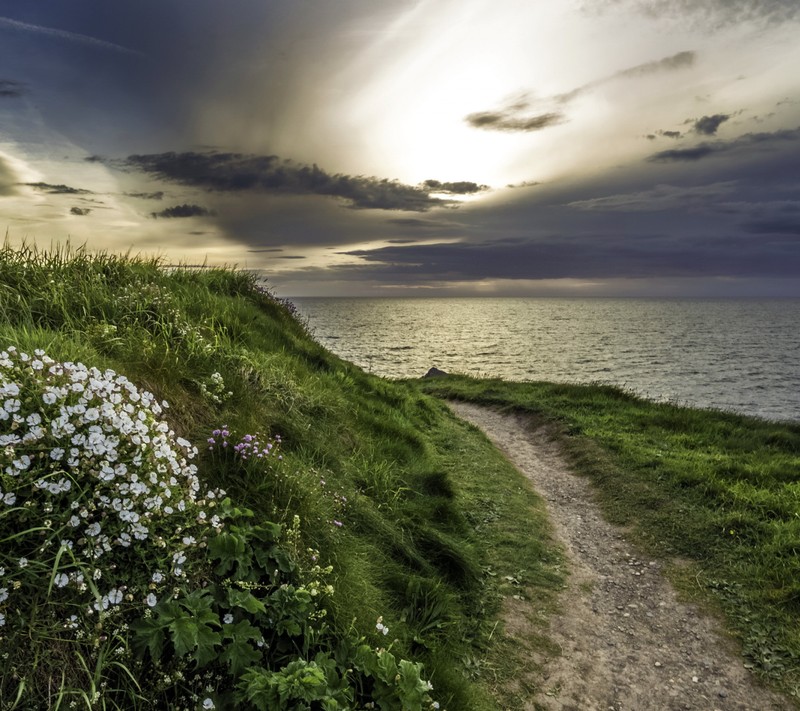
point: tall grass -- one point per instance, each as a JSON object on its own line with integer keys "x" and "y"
{"x": 366, "y": 466}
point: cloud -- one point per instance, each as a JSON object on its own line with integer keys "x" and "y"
{"x": 413, "y": 222}
{"x": 183, "y": 211}
{"x": 744, "y": 143}
{"x": 661, "y": 197}
{"x": 708, "y": 125}
{"x": 147, "y": 196}
{"x": 685, "y": 154}
{"x": 8, "y": 23}
{"x": 81, "y": 211}
{"x": 51, "y": 189}
{"x": 787, "y": 226}
{"x": 524, "y": 115}
{"x": 670, "y": 134}
{"x": 681, "y": 60}
{"x": 237, "y": 172}
{"x": 462, "y": 187}
{"x": 11, "y": 89}
{"x": 590, "y": 256}
{"x": 506, "y": 120}
{"x": 719, "y": 12}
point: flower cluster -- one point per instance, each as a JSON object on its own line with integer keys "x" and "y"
{"x": 213, "y": 389}
{"x": 89, "y": 474}
{"x": 250, "y": 446}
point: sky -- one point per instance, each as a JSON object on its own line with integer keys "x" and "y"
{"x": 413, "y": 147}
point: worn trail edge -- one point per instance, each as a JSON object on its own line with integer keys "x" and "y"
{"x": 626, "y": 641}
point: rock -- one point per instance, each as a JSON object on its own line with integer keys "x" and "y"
{"x": 434, "y": 373}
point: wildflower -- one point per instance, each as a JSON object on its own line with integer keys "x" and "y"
{"x": 381, "y": 627}
{"x": 115, "y": 596}
{"x": 3, "y": 594}
{"x": 61, "y": 580}
{"x": 23, "y": 562}
{"x": 151, "y": 600}
{"x": 208, "y": 703}
{"x": 2, "y": 620}
{"x": 228, "y": 619}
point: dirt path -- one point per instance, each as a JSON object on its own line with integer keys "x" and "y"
{"x": 627, "y": 643}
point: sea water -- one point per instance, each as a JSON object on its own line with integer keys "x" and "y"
{"x": 740, "y": 355}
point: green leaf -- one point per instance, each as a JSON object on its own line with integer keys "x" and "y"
{"x": 239, "y": 655}
{"x": 228, "y": 549}
{"x": 412, "y": 688}
{"x": 148, "y": 636}
{"x": 184, "y": 634}
{"x": 207, "y": 641}
{"x": 246, "y": 600}
{"x": 387, "y": 667}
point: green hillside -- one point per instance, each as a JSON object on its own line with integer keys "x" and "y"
{"x": 337, "y": 541}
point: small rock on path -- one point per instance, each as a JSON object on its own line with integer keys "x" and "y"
{"x": 627, "y": 642}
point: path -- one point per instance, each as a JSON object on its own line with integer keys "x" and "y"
{"x": 627, "y": 643}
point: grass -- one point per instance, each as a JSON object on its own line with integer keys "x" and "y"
{"x": 423, "y": 522}
{"x": 718, "y": 493}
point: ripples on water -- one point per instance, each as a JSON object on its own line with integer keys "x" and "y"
{"x": 735, "y": 355}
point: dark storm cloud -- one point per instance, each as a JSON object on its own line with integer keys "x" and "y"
{"x": 786, "y": 226}
{"x": 80, "y": 211}
{"x": 237, "y": 172}
{"x": 596, "y": 256}
{"x": 506, "y": 120}
{"x": 708, "y": 125}
{"x": 749, "y": 142}
{"x": 11, "y": 89}
{"x": 51, "y": 189}
{"x": 183, "y": 211}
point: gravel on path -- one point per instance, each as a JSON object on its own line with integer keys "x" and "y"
{"x": 627, "y": 643}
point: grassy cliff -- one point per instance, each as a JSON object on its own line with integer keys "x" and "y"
{"x": 201, "y": 507}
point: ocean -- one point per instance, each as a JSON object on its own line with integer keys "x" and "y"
{"x": 739, "y": 355}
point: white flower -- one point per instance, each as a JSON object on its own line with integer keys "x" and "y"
{"x": 93, "y": 529}
{"x": 3, "y": 594}
{"x": 115, "y": 596}
{"x": 157, "y": 577}
{"x": 23, "y": 562}
{"x": 10, "y": 498}
{"x": 2, "y": 620}
{"x": 208, "y": 704}
{"x": 151, "y": 600}
{"x": 228, "y": 619}
{"x": 61, "y": 580}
